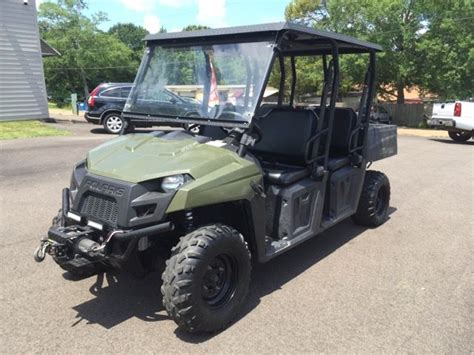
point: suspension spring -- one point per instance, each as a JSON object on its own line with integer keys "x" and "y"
{"x": 189, "y": 221}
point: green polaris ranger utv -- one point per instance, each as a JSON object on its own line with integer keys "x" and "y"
{"x": 258, "y": 169}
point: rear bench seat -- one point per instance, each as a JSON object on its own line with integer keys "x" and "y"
{"x": 344, "y": 123}
{"x": 283, "y": 145}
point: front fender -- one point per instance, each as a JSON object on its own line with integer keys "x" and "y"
{"x": 232, "y": 182}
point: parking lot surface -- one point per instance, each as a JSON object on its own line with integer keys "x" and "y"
{"x": 406, "y": 286}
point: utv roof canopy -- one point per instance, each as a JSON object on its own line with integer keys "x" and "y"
{"x": 294, "y": 39}
{"x": 229, "y": 69}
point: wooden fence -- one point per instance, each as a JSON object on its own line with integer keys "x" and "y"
{"x": 410, "y": 115}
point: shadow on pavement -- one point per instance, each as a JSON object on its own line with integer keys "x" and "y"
{"x": 119, "y": 297}
{"x": 99, "y": 131}
{"x": 450, "y": 141}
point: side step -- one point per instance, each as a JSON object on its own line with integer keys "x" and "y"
{"x": 275, "y": 247}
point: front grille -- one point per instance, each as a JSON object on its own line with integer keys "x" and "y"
{"x": 101, "y": 207}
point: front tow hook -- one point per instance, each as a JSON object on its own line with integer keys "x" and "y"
{"x": 41, "y": 250}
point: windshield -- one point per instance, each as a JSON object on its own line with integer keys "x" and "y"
{"x": 218, "y": 83}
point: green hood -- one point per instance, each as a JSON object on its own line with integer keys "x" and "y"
{"x": 219, "y": 175}
{"x": 142, "y": 157}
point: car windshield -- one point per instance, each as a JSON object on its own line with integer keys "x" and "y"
{"x": 218, "y": 83}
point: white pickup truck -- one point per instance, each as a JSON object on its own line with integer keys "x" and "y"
{"x": 457, "y": 117}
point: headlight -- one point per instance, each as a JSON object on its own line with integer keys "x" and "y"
{"x": 171, "y": 183}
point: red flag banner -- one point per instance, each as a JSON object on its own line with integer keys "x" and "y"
{"x": 214, "y": 93}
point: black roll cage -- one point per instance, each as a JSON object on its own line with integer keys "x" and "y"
{"x": 289, "y": 41}
{"x": 317, "y": 146}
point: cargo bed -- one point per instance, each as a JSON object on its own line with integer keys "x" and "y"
{"x": 381, "y": 141}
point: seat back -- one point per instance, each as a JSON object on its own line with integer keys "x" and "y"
{"x": 264, "y": 109}
{"x": 344, "y": 123}
{"x": 285, "y": 133}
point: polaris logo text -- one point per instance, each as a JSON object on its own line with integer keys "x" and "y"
{"x": 104, "y": 188}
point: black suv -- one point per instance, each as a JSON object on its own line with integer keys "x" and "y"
{"x": 106, "y": 102}
{"x": 105, "y": 105}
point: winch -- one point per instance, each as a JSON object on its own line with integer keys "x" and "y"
{"x": 64, "y": 242}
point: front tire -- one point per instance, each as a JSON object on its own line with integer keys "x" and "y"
{"x": 372, "y": 210}
{"x": 206, "y": 280}
{"x": 113, "y": 123}
{"x": 460, "y": 136}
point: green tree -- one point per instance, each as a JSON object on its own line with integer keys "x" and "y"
{"x": 413, "y": 33}
{"x": 446, "y": 53}
{"x": 195, "y": 28}
{"x": 88, "y": 55}
{"x": 394, "y": 24}
{"x": 132, "y": 35}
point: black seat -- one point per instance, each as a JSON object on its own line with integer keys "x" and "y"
{"x": 285, "y": 135}
{"x": 344, "y": 123}
{"x": 284, "y": 175}
{"x": 282, "y": 148}
{"x": 264, "y": 109}
{"x": 337, "y": 162}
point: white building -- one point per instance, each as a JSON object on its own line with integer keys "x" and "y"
{"x": 22, "y": 86}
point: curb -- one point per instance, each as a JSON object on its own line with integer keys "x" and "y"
{"x": 423, "y": 133}
{"x": 63, "y": 120}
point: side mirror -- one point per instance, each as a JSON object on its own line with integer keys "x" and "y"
{"x": 173, "y": 101}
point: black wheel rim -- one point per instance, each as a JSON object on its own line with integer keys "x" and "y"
{"x": 381, "y": 203}
{"x": 219, "y": 281}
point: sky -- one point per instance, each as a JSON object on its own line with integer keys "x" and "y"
{"x": 176, "y": 14}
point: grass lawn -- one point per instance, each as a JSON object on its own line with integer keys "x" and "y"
{"x": 63, "y": 107}
{"x": 27, "y": 129}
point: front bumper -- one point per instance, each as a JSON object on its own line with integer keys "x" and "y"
{"x": 78, "y": 247}
{"x": 104, "y": 221}
{"x": 442, "y": 123}
{"x": 70, "y": 243}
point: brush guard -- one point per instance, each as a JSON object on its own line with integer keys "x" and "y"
{"x": 63, "y": 243}
{"x": 79, "y": 244}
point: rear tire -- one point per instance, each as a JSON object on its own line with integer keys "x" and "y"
{"x": 113, "y": 123}
{"x": 206, "y": 280}
{"x": 460, "y": 136}
{"x": 372, "y": 210}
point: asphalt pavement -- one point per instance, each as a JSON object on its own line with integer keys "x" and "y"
{"x": 406, "y": 286}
